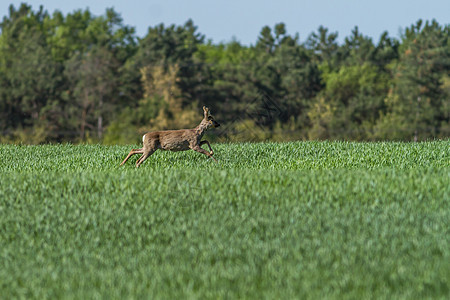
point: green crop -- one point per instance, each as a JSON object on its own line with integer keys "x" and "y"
{"x": 270, "y": 220}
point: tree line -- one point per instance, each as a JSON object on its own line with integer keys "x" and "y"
{"x": 85, "y": 78}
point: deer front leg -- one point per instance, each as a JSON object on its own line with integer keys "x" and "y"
{"x": 144, "y": 156}
{"x": 132, "y": 152}
{"x": 206, "y": 142}
{"x": 201, "y": 150}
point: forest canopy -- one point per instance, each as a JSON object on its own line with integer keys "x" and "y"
{"x": 85, "y": 78}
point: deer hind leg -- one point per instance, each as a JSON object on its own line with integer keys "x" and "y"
{"x": 132, "y": 152}
{"x": 206, "y": 142}
{"x": 201, "y": 150}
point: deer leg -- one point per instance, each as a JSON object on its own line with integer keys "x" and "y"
{"x": 144, "y": 157}
{"x": 201, "y": 150}
{"x": 206, "y": 142}
{"x": 132, "y": 152}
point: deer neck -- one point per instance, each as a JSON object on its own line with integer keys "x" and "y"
{"x": 201, "y": 128}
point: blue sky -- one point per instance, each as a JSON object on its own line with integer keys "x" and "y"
{"x": 222, "y": 20}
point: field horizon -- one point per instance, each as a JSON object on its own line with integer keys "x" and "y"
{"x": 273, "y": 220}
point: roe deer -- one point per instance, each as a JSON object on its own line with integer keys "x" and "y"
{"x": 176, "y": 140}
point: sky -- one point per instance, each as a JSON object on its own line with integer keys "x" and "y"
{"x": 242, "y": 20}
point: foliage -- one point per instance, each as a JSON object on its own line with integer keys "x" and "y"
{"x": 418, "y": 106}
{"x": 279, "y": 220}
{"x": 60, "y": 72}
{"x": 78, "y": 75}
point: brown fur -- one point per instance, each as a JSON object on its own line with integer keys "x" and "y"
{"x": 176, "y": 140}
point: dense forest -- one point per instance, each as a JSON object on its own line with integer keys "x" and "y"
{"x": 86, "y": 78}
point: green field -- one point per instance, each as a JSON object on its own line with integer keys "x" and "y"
{"x": 272, "y": 220}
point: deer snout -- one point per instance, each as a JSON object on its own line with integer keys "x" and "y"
{"x": 216, "y": 124}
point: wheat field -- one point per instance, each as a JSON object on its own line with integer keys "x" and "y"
{"x": 270, "y": 220}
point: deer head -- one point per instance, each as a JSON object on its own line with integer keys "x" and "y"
{"x": 209, "y": 119}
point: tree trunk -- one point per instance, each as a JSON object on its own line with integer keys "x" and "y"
{"x": 83, "y": 123}
{"x": 100, "y": 119}
{"x": 100, "y": 127}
